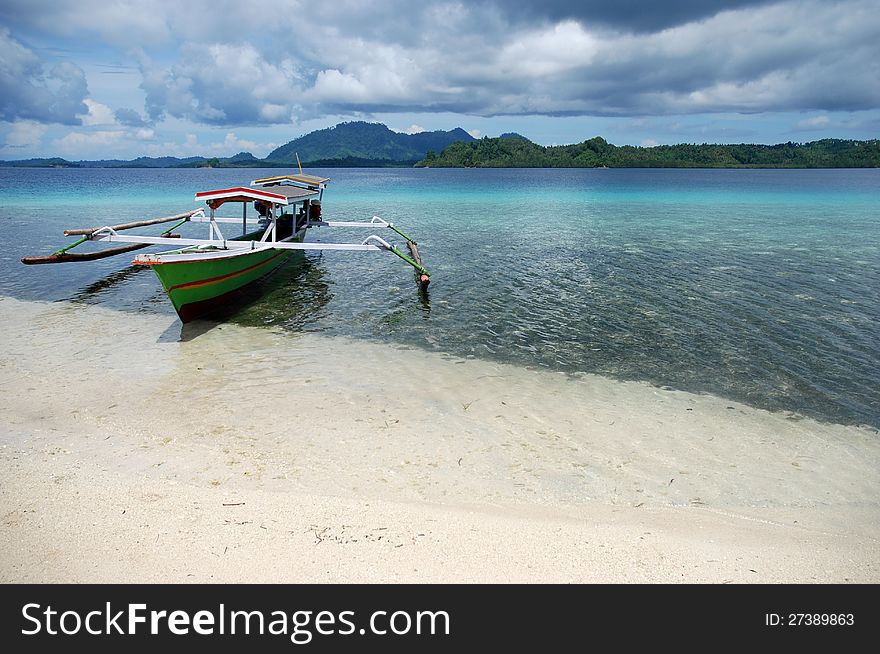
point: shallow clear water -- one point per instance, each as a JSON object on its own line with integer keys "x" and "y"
{"x": 757, "y": 285}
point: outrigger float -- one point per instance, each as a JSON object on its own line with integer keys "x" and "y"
{"x": 200, "y": 274}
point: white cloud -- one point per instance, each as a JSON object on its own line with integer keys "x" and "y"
{"x": 390, "y": 75}
{"x": 233, "y": 145}
{"x": 29, "y": 93}
{"x": 74, "y": 142}
{"x": 649, "y": 143}
{"x": 475, "y": 133}
{"x": 222, "y": 84}
{"x": 412, "y": 129}
{"x": 817, "y": 122}
{"x": 275, "y": 113}
{"x": 121, "y": 22}
{"x": 334, "y": 86}
{"x": 229, "y": 146}
{"x": 549, "y": 51}
{"x": 798, "y": 54}
{"x": 25, "y": 133}
{"x": 98, "y": 114}
{"x": 485, "y": 58}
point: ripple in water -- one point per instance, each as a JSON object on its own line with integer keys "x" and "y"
{"x": 760, "y": 286}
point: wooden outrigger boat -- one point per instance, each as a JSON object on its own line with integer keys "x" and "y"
{"x": 200, "y": 274}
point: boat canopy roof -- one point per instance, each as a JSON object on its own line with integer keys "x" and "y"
{"x": 310, "y": 181}
{"x": 278, "y": 195}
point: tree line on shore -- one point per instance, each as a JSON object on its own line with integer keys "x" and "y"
{"x": 514, "y": 151}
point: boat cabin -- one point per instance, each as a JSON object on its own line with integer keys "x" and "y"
{"x": 284, "y": 206}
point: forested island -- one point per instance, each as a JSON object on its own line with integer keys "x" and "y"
{"x": 515, "y": 151}
{"x": 362, "y": 144}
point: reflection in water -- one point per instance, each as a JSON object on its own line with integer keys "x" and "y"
{"x": 292, "y": 297}
{"x": 425, "y": 301}
{"x": 94, "y": 292}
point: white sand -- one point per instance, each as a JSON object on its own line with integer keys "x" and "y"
{"x": 349, "y": 461}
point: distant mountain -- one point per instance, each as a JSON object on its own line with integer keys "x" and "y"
{"x": 361, "y": 144}
{"x": 241, "y": 157}
{"x": 356, "y": 143}
{"x": 54, "y": 162}
{"x": 141, "y": 162}
{"x": 361, "y": 141}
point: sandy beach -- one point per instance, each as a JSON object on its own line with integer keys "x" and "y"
{"x": 135, "y": 451}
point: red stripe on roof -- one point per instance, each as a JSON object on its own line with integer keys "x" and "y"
{"x": 241, "y": 191}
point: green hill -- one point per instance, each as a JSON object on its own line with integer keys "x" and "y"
{"x": 142, "y": 162}
{"x": 54, "y": 162}
{"x": 513, "y": 151}
{"x": 347, "y": 144}
{"x": 360, "y": 141}
{"x": 373, "y": 144}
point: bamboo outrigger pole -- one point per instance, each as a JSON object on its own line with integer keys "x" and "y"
{"x": 139, "y": 223}
{"x": 63, "y": 256}
{"x": 423, "y": 277}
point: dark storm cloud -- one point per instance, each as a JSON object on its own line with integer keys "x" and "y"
{"x": 492, "y": 58}
{"x": 485, "y": 58}
{"x": 781, "y": 57}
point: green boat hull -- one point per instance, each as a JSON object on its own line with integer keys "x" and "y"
{"x": 199, "y": 286}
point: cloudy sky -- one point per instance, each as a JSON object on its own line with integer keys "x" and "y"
{"x": 87, "y": 79}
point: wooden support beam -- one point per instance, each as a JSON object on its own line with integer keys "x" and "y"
{"x": 421, "y": 278}
{"x": 86, "y": 231}
{"x": 65, "y": 257}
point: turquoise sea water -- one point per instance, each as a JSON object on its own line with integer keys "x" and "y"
{"x": 761, "y": 286}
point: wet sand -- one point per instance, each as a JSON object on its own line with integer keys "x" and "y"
{"x": 131, "y": 454}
